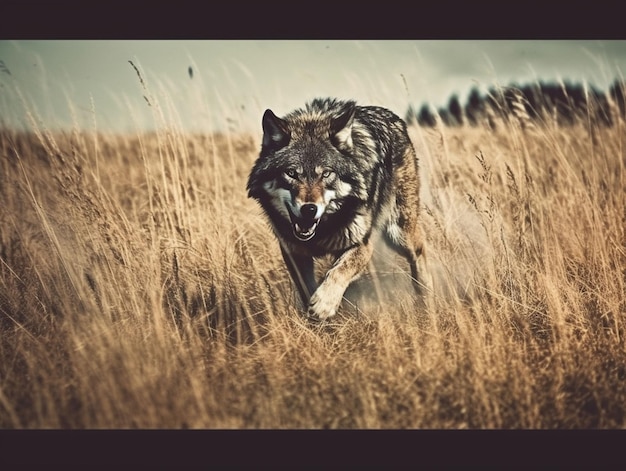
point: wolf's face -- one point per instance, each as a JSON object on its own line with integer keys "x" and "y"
{"x": 304, "y": 167}
{"x": 306, "y": 197}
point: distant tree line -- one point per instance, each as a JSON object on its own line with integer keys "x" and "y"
{"x": 561, "y": 103}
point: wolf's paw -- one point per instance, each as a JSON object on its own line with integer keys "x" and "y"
{"x": 324, "y": 302}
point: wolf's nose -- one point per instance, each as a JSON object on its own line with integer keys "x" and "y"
{"x": 308, "y": 211}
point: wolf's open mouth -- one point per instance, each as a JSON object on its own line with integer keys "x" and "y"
{"x": 304, "y": 233}
{"x": 303, "y": 228}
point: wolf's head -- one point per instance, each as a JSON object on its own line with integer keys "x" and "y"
{"x": 304, "y": 160}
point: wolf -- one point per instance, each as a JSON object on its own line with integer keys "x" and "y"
{"x": 328, "y": 175}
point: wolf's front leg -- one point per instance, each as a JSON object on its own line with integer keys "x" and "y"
{"x": 302, "y": 273}
{"x": 347, "y": 267}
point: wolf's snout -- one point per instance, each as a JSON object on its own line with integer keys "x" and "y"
{"x": 308, "y": 211}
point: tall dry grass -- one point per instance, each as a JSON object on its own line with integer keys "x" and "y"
{"x": 141, "y": 288}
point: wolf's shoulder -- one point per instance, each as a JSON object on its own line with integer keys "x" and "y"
{"x": 382, "y": 123}
{"x": 377, "y": 114}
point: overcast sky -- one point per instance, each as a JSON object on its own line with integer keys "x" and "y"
{"x": 91, "y": 84}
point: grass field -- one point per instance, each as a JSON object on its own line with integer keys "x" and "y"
{"x": 141, "y": 288}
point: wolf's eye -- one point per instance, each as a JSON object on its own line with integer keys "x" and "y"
{"x": 291, "y": 173}
{"x": 327, "y": 173}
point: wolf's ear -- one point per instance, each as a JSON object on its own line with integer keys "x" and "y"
{"x": 275, "y": 132}
{"x": 341, "y": 128}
